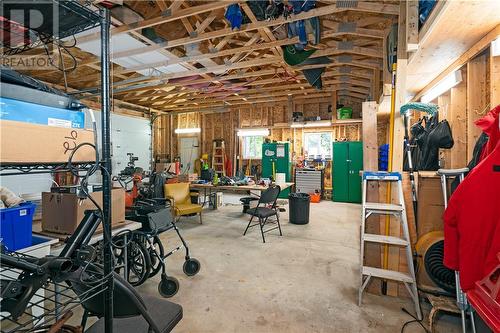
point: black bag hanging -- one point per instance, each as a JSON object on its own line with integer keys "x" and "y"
{"x": 439, "y": 136}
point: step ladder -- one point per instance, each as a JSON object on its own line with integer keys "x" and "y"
{"x": 219, "y": 157}
{"x": 397, "y": 210}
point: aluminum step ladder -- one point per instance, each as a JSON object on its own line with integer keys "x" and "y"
{"x": 397, "y": 210}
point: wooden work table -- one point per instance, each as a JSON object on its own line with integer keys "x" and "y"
{"x": 236, "y": 187}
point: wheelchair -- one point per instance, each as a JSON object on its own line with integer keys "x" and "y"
{"x": 156, "y": 217}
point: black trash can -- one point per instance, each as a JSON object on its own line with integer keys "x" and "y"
{"x": 298, "y": 208}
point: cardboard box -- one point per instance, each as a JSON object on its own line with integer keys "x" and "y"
{"x": 16, "y": 110}
{"x": 430, "y": 203}
{"x": 31, "y": 143}
{"x": 187, "y": 178}
{"x": 62, "y": 212}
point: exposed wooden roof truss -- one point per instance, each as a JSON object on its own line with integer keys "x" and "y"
{"x": 224, "y": 67}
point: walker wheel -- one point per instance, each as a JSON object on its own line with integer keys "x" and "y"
{"x": 191, "y": 267}
{"x": 168, "y": 286}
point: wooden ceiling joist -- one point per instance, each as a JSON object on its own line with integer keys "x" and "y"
{"x": 239, "y": 66}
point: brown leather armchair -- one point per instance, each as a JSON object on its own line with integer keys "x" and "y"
{"x": 180, "y": 196}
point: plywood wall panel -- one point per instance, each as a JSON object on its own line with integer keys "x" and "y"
{"x": 476, "y": 98}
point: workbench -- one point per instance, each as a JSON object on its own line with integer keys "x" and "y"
{"x": 243, "y": 188}
{"x": 210, "y": 189}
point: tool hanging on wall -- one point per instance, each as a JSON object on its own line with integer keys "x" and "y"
{"x": 392, "y": 51}
{"x": 389, "y": 169}
{"x": 431, "y": 109}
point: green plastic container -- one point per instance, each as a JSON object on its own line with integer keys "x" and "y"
{"x": 344, "y": 113}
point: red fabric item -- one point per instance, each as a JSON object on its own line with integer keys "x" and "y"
{"x": 489, "y": 125}
{"x": 229, "y": 167}
{"x": 472, "y": 223}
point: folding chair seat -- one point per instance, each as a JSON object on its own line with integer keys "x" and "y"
{"x": 164, "y": 313}
{"x": 132, "y": 312}
{"x": 261, "y": 212}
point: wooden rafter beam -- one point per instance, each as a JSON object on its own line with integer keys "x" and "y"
{"x": 253, "y": 63}
{"x": 276, "y": 90}
{"x": 296, "y": 89}
{"x": 372, "y": 7}
{"x": 228, "y": 32}
{"x": 166, "y": 17}
{"x": 265, "y": 32}
{"x": 363, "y": 51}
{"x": 353, "y": 72}
{"x": 275, "y": 84}
{"x": 200, "y": 27}
{"x": 273, "y": 100}
{"x": 162, "y": 5}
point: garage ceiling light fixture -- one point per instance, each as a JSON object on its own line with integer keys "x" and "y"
{"x": 443, "y": 86}
{"x": 318, "y": 123}
{"x": 253, "y": 132}
{"x": 187, "y": 130}
{"x": 495, "y": 47}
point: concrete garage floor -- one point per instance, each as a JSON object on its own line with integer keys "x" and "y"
{"x": 305, "y": 281}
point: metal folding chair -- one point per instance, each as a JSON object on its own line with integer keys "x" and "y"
{"x": 265, "y": 209}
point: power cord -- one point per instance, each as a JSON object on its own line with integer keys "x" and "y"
{"x": 414, "y": 320}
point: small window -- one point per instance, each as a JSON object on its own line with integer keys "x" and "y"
{"x": 252, "y": 147}
{"x": 316, "y": 144}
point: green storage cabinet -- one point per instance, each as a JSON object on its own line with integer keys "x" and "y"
{"x": 347, "y": 162}
{"x": 279, "y": 154}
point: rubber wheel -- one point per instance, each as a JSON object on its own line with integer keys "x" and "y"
{"x": 168, "y": 286}
{"x": 138, "y": 263}
{"x": 156, "y": 264}
{"x": 191, "y": 267}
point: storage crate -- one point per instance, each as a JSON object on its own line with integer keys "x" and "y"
{"x": 187, "y": 178}
{"x": 344, "y": 113}
{"x": 16, "y": 226}
{"x": 315, "y": 197}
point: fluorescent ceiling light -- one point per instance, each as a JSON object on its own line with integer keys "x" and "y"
{"x": 253, "y": 132}
{"x": 443, "y": 86}
{"x": 495, "y": 47}
{"x": 319, "y": 123}
{"x": 316, "y": 123}
{"x": 187, "y": 130}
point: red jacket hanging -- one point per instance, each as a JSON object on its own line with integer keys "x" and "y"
{"x": 472, "y": 222}
{"x": 489, "y": 125}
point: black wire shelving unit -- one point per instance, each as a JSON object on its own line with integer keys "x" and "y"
{"x": 40, "y": 168}
{"x": 69, "y": 17}
{"x": 74, "y": 18}
{"x": 53, "y": 299}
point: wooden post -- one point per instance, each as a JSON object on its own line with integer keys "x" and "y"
{"x": 397, "y": 159}
{"x": 370, "y": 163}
{"x": 370, "y": 145}
{"x": 444, "y": 113}
{"x": 411, "y": 25}
{"x": 334, "y": 106}
{"x": 375, "y": 91}
{"x": 476, "y": 98}
{"x": 458, "y": 123}
{"x": 494, "y": 80}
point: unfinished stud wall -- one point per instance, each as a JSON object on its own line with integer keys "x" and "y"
{"x": 224, "y": 125}
{"x": 462, "y": 105}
